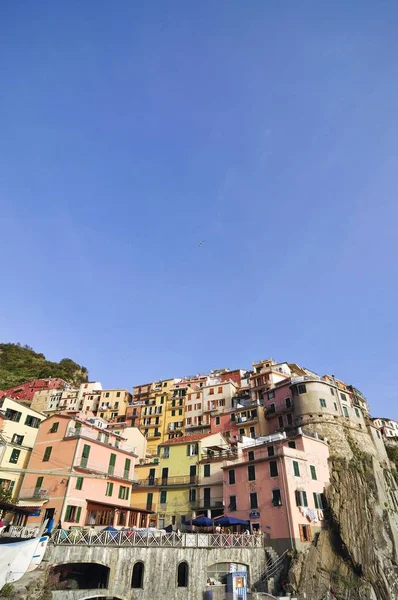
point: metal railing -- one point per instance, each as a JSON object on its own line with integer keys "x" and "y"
{"x": 207, "y": 503}
{"x": 34, "y": 493}
{"x": 20, "y": 532}
{"x": 133, "y": 538}
{"x": 167, "y": 481}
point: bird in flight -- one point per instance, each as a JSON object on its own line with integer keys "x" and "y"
{"x": 201, "y": 243}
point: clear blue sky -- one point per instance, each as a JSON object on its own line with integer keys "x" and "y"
{"x": 130, "y": 131}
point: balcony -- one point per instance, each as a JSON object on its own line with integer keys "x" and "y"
{"x": 216, "y": 453}
{"x": 176, "y": 426}
{"x": 207, "y": 503}
{"x": 273, "y": 411}
{"x": 36, "y": 493}
{"x": 176, "y": 481}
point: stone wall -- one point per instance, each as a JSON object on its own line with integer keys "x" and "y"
{"x": 160, "y": 576}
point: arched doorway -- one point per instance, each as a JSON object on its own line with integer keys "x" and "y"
{"x": 80, "y": 576}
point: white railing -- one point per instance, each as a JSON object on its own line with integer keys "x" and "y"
{"x": 130, "y": 537}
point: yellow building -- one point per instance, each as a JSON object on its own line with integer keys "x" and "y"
{"x": 113, "y": 405}
{"x": 19, "y": 425}
{"x": 145, "y": 492}
{"x": 180, "y": 474}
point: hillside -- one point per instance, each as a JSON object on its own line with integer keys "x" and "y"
{"x": 21, "y": 363}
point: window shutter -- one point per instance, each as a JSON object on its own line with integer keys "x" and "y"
{"x": 309, "y": 533}
{"x": 302, "y": 539}
{"x": 305, "y": 503}
{"x": 68, "y": 512}
{"x": 316, "y": 504}
{"x": 323, "y": 501}
{"x": 297, "y": 498}
{"x": 110, "y": 488}
{"x": 78, "y": 513}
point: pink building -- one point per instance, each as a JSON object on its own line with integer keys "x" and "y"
{"x": 80, "y": 474}
{"x": 25, "y": 391}
{"x": 277, "y": 483}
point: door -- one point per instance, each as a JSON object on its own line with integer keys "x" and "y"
{"x": 206, "y": 497}
{"x": 165, "y": 474}
{"x": 192, "y": 474}
{"x": 151, "y": 478}
{"x": 48, "y": 514}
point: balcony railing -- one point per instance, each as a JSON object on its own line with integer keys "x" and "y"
{"x": 167, "y": 481}
{"x": 207, "y": 503}
{"x": 273, "y": 411}
{"x": 34, "y": 493}
{"x": 145, "y": 538}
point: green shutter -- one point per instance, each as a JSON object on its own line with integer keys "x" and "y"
{"x": 313, "y": 472}
{"x": 305, "y": 501}
{"x": 126, "y": 497}
{"x": 296, "y": 468}
{"x": 78, "y": 513}
{"x": 68, "y": 513}
{"x": 79, "y": 483}
{"x": 112, "y": 460}
{"x": 39, "y": 482}
{"x": 86, "y": 451}
{"x": 47, "y": 454}
{"x": 316, "y": 503}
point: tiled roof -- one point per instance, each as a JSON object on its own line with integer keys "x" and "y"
{"x": 186, "y": 439}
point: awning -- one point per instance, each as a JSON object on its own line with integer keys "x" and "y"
{"x": 92, "y": 504}
{"x": 31, "y": 504}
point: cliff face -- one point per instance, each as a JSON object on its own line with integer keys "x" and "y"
{"x": 355, "y": 558}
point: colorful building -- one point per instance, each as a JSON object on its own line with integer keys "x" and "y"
{"x": 19, "y": 426}
{"x": 82, "y": 474}
{"x": 277, "y": 483}
{"x": 24, "y": 392}
{"x": 113, "y": 405}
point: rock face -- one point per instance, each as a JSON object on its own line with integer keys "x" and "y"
{"x": 355, "y": 558}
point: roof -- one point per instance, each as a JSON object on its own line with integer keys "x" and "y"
{"x": 186, "y": 439}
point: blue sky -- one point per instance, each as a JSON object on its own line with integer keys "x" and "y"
{"x": 131, "y": 131}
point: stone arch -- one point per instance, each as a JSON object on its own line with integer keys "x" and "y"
{"x": 80, "y": 575}
{"x": 182, "y": 574}
{"x": 138, "y": 574}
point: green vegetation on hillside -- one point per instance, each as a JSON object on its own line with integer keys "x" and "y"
{"x": 21, "y": 363}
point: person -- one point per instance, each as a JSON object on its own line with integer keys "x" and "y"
{"x": 246, "y": 532}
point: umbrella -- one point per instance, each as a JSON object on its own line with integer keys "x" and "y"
{"x": 110, "y": 528}
{"x": 227, "y": 521}
{"x": 202, "y": 522}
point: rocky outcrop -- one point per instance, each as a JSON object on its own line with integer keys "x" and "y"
{"x": 355, "y": 558}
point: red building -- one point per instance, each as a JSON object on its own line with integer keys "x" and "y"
{"x": 25, "y": 391}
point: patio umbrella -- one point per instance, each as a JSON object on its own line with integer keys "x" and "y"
{"x": 202, "y": 522}
{"x": 110, "y": 528}
{"x": 227, "y": 521}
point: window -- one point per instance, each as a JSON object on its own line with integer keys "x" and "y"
{"x": 232, "y": 503}
{"x": 173, "y": 413}
{"x": 79, "y": 483}
{"x": 127, "y": 466}
{"x": 219, "y": 390}
{"x": 288, "y": 402}
{"x": 137, "y": 580}
{"x": 241, "y": 431}
{"x": 231, "y": 475}
{"x": 276, "y": 498}
{"x": 192, "y": 495}
{"x": 332, "y": 391}
{"x": 217, "y": 420}
{"x": 335, "y": 405}
{"x": 252, "y": 432}
{"x": 271, "y": 394}
{"x": 166, "y": 452}
{"x": 107, "y": 395}
{"x": 211, "y": 391}
{"x": 273, "y": 468}
{"x": 291, "y": 444}
{"x": 149, "y": 500}
{"x": 280, "y": 421}
{"x": 180, "y": 411}
{"x": 163, "y": 497}
{"x": 206, "y": 471}
{"x": 192, "y": 450}
{"x": 301, "y": 388}
{"x": 13, "y": 415}
{"x": 123, "y": 492}
{"x": 251, "y": 473}
{"x": 182, "y": 574}
{"x": 305, "y": 533}
{"x": 345, "y": 411}
{"x": 54, "y": 427}
{"x": 14, "y": 456}
{"x": 322, "y": 402}
{"x": 301, "y": 498}
{"x": 289, "y": 418}
{"x": 253, "y": 500}
{"x": 72, "y": 514}
{"x": 313, "y": 472}
{"x": 271, "y": 451}
{"x": 32, "y": 422}
{"x": 117, "y": 394}
{"x": 116, "y": 405}
{"x": 162, "y": 400}
{"x": 250, "y": 455}
{"x": 198, "y": 395}
{"x": 296, "y": 468}
{"x": 109, "y": 489}
{"x": 319, "y": 500}
{"x": 17, "y": 439}
{"x": 343, "y": 397}
{"x": 357, "y": 412}
{"x": 47, "y": 454}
